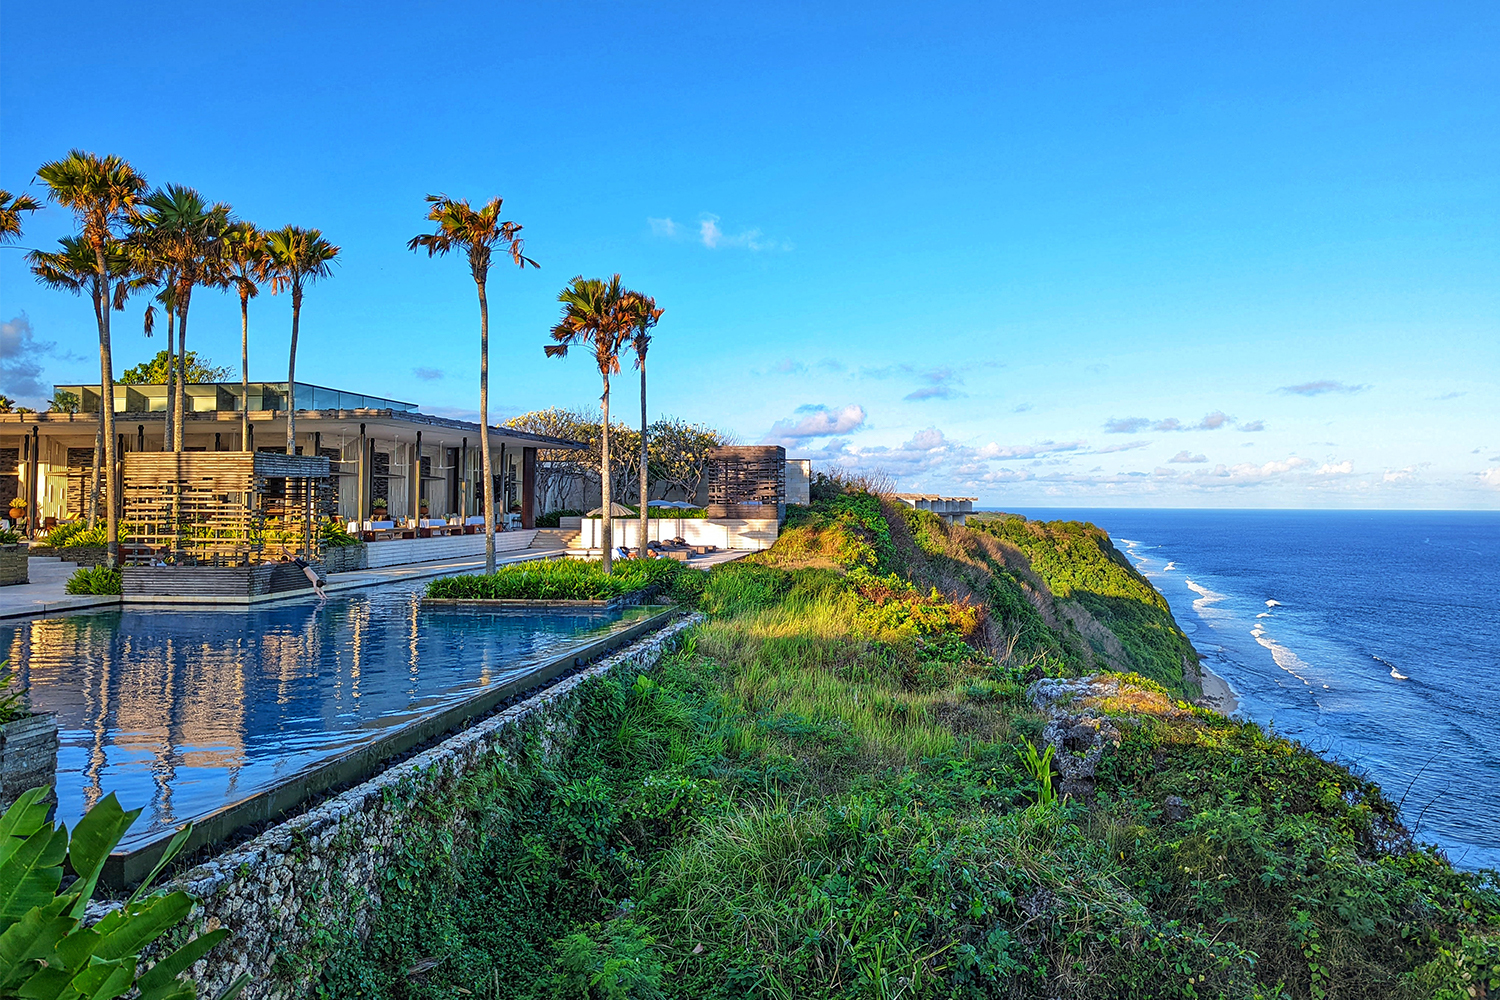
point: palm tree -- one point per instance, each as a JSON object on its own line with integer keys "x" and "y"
{"x": 147, "y": 269}
{"x": 185, "y": 236}
{"x": 645, "y": 315}
{"x": 602, "y": 315}
{"x": 245, "y": 260}
{"x": 295, "y": 258}
{"x": 11, "y": 207}
{"x": 74, "y": 268}
{"x": 477, "y": 232}
{"x": 103, "y": 193}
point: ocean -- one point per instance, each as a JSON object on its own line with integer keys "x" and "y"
{"x": 1372, "y": 637}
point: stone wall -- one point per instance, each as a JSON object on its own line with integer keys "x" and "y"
{"x": 86, "y": 556}
{"x": 13, "y": 565}
{"x": 314, "y": 880}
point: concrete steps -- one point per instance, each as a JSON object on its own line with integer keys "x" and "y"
{"x": 554, "y": 538}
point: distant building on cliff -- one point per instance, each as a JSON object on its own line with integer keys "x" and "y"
{"x": 954, "y": 510}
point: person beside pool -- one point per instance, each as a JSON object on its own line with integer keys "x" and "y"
{"x": 312, "y": 575}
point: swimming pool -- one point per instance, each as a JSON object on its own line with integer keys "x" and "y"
{"x": 183, "y": 712}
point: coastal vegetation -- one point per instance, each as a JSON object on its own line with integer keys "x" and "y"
{"x": 843, "y": 784}
{"x": 560, "y": 580}
{"x": 98, "y": 580}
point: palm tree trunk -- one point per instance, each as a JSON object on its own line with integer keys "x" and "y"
{"x": 107, "y": 405}
{"x": 244, "y": 370}
{"x": 98, "y": 447}
{"x": 179, "y": 404}
{"x": 167, "y": 438}
{"x": 486, "y": 477}
{"x": 605, "y": 538}
{"x": 645, "y": 512}
{"x": 291, "y": 375}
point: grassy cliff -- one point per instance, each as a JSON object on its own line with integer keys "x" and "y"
{"x": 831, "y": 791}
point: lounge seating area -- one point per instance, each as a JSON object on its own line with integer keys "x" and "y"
{"x": 427, "y": 527}
{"x": 679, "y": 549}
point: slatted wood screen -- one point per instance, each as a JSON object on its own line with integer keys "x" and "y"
{"x": 739, "y": 474}
{"x": 223, "y": 508}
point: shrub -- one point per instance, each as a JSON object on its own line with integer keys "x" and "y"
{"x": 8, "y": 537}
{"x": 559, "y": 580}
{"x": 77, "y": 533}
{"x": 12, "y": 695}
{"x": 334, "y": 535}
{"x": 94, "y": 580}
{"x": 553, "y": 518}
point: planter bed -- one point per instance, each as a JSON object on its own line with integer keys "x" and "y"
{"x": 645, "y": 596}
{"x": 13, "y": 565}
{"x": 86, "y": 556}
{"x": 216, "y": 584}
{"x": 28, "y": 756}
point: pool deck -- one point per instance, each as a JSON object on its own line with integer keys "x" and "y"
{"x": 45, "y": 594}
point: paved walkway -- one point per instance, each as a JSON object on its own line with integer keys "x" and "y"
{"x": 45, "y": 595}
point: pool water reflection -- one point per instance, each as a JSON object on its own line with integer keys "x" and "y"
{"x": 183, "y": 712}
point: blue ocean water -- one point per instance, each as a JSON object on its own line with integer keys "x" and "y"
{"x": 1372, "y": 637}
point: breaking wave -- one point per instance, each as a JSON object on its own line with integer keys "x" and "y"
{"x": 1273, "y": 604}
{"x": 1398, "y": 675}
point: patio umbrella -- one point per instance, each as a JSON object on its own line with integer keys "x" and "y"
{"x": 615, "y": 510}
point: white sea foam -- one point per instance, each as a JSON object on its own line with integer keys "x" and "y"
{"x": 1264, "y": 614}
{"x": 1284, "y": 658}
{"x": 1396, "y": 674}
{"x": 1169, "y": 567}
{"x": 1206, "y": 599}
{"x": 1273, "y": 604}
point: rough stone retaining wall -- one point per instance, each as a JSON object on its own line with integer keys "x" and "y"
{"x": 281, "y": 893}
{"x": 13, "y": 564}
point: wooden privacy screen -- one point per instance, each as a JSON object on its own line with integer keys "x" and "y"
{"x": 229, "y": 508}
{"x": 747, "y": 474}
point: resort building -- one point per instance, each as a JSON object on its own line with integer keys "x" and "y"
{"x": 377, "y": 449}
{"x": 954, "y": 510}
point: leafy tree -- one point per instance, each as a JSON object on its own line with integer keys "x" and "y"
{"x": 104, "y": 193}
{"x": 193, "y": 369}
{"x": 182, "y": 236}
{"x": 245, "y": 264}
{"x": 601, "y": 315}
{"x": 645, "y": 316}
{"x": 477, "y": 232}
{"x": 295, "y": 258}
{"x": 64, "y": 401}
{"x": 679, "y": 453}
{"x": 11, "y": 207}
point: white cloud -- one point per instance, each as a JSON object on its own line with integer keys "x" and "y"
{"x": 1253, "y": 426}
{"x": 20, "y": 362}
{"x": 1344, "y": 468}
{"x": 428, "y": 374}
{"x": 1184, "y": 457}
{"x": 1319, "y": 388}
{"x": 711, "y": 235}
{"x": 663, "y": 227}
{"x": 817, "y": 421}
{"x": 1491, "y": 478}
{"x": 1134, "y": 425}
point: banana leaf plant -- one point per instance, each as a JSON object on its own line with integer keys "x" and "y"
{"x": 46, "y": 951}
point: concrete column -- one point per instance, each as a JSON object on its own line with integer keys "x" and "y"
{"x": 33, "y": 487}
{"x": 362, "y": 473}
{"x": 528, "y": 487}
{"x": 415, "y": 501}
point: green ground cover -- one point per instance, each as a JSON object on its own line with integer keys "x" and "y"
{"x": 832, "y": 790}
{"x": 559, "y": 580}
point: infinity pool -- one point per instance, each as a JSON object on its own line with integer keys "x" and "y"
{"x": 182, "y": 712}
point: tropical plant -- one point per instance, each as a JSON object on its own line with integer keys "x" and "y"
{"x": 7, "y": 405}
{"x": 49, "y": 950}
{"x": 245, "y": 265}
{"x": 334, "y": 535}
{"x": 645, "y": 316}
{"x": 477, "y": 232}
{"x": 11, "y": 207}
{"x": 1039, "y": 766}
{"x": 96, "y": 580}
{"x": 9, "y": 537}
{"x": 104, "y": 193}
{"x": 12, "y": 695}
{"x": 64, "y": 401}
{"x": 182, "y": 236}
{"x": 601, "y": 315}
{"x": 295, "y": 258}
{"x": 191, "y": 366}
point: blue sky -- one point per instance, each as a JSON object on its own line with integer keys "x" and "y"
{"x": 1062, "y": 254}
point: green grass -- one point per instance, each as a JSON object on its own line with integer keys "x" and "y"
{"x": 559, "y": 580}
{"x": 832, "y": 789}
